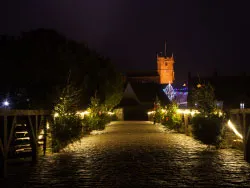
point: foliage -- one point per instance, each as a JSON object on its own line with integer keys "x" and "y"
{"x": 67, "y": 126}
{"x": 158, "y": 112}
{"x": 171, "y": 118}
{"x": 97, "y": 122}
{"x": 208, "y": 129}
{"x": 203, "y": 98}
{"x": 167, "y": 115}
{"x": 42, "y": 59}
{"x": 68, "y": 102}
{"x": 208, "y": 125}
{"x": 98, "y": 117}
{"x": 65, "y": 131}
{"x": 113, "y": 94}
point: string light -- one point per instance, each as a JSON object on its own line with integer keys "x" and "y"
{"x": 232, "y": 126}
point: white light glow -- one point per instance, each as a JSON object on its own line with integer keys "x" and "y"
{"x": 231, "y": 126}
{"x": 6, "y": 103}
{"x": 40, "y": 137}
{"x": 163, "y": 110}
{"x": 219, "y": 113}
{"x": 82, "y": 114}
{"x": 111, "y": 113}
{"x": 242, "y": 105}
{"x": 151, "y": 112}
{"x": 187, "y": 111}
{"x": 56, "y": 115}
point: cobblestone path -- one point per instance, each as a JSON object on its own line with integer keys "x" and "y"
{"x": 138, "y": 154}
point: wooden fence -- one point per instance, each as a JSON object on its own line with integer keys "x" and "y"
{"x": 34, "y": 119}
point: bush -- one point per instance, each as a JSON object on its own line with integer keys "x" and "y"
{"x": 171, "y": 119}
{"x": 96, "y": 122}
{"x": 208, "y": 129}
{"x": 65, "y": 131}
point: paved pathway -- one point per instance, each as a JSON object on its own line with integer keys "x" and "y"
{"x": 139, "y": 154}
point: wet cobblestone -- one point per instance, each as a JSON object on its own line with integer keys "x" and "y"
{"x": 138, "y": 154}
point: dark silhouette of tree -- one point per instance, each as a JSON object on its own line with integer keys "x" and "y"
{"x": 39, "y": 62}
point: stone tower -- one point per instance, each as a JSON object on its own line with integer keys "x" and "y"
{"x": 165, "y": 68}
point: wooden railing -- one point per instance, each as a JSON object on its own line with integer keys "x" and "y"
{"x": 34, "y": 119}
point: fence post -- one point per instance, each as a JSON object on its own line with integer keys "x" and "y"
{"x": 186, "y": 123}
{"x": 45, "y": 135}
{"x": 5, "y": 152}
{"x": 244, "y": 133}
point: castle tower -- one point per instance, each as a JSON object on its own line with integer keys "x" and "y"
{"x": 165, "y": 68}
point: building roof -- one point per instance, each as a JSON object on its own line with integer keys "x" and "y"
{"x": 143, "y": 93}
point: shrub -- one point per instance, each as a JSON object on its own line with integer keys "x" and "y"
{"x": 67, "y": 127}
{"x": 65, "y": 131}
{"x": 208, "y": 129}
{"x": 203, "y": 98}
{"x": 170, "y": 118}
{"x": 96, "y": 122}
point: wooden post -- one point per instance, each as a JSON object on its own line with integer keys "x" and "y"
{"x": 238, "y": 119}
{"x": 244, "y": 134}
{"x": 246, "y": 148}
{"x": 13, "y": 126}
{"x": 36, "y": 135}
{"x": 186, "y": 123}
{"x": 34, "y": 141}
{"x": 45, "y": 135}
{"x": 5, "y": 142}
{"x": 1, "y": 158}
{"x": 36, "y": 131}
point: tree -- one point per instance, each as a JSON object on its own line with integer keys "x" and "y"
{"x": 68, "y": 101}
{"x": 67, "y": 126}
{"x": 113, "y": 92}
{"x": 39, "y": 60}
{"x": 171, "y": 118}
{"x": 98, "y": 118}
{"x": 203, "y": 98}
{"x": 206, "y": 126}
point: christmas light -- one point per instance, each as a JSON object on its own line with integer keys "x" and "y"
{"x": 56, "y": 115}
{"x": 83, "y": 114}
{"x": 151, "y": 112}
{"x": 232, "y": 126}
{"x": 169, "y": 91}
{"x": 111, "y": 113}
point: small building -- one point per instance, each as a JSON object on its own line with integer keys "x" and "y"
{"x": 139, "y": 98}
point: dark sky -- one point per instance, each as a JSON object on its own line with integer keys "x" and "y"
{"x": 204, "y": 35}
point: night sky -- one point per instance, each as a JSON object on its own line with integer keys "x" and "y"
{"x": 203, "y": 35}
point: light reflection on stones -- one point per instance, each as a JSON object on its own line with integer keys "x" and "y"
{"x": 140, "y": 155}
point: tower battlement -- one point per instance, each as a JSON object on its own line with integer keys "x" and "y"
{"x": 165, "y": 69}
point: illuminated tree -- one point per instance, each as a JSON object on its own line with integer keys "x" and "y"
{"x": 67, "y": 127}
{"x": 68, "y": 102}
{"x": 203, "y": 98}
{"x": 206, "y": 126}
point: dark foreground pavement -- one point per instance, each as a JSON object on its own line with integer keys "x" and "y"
{"x": 135, "y": 154}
